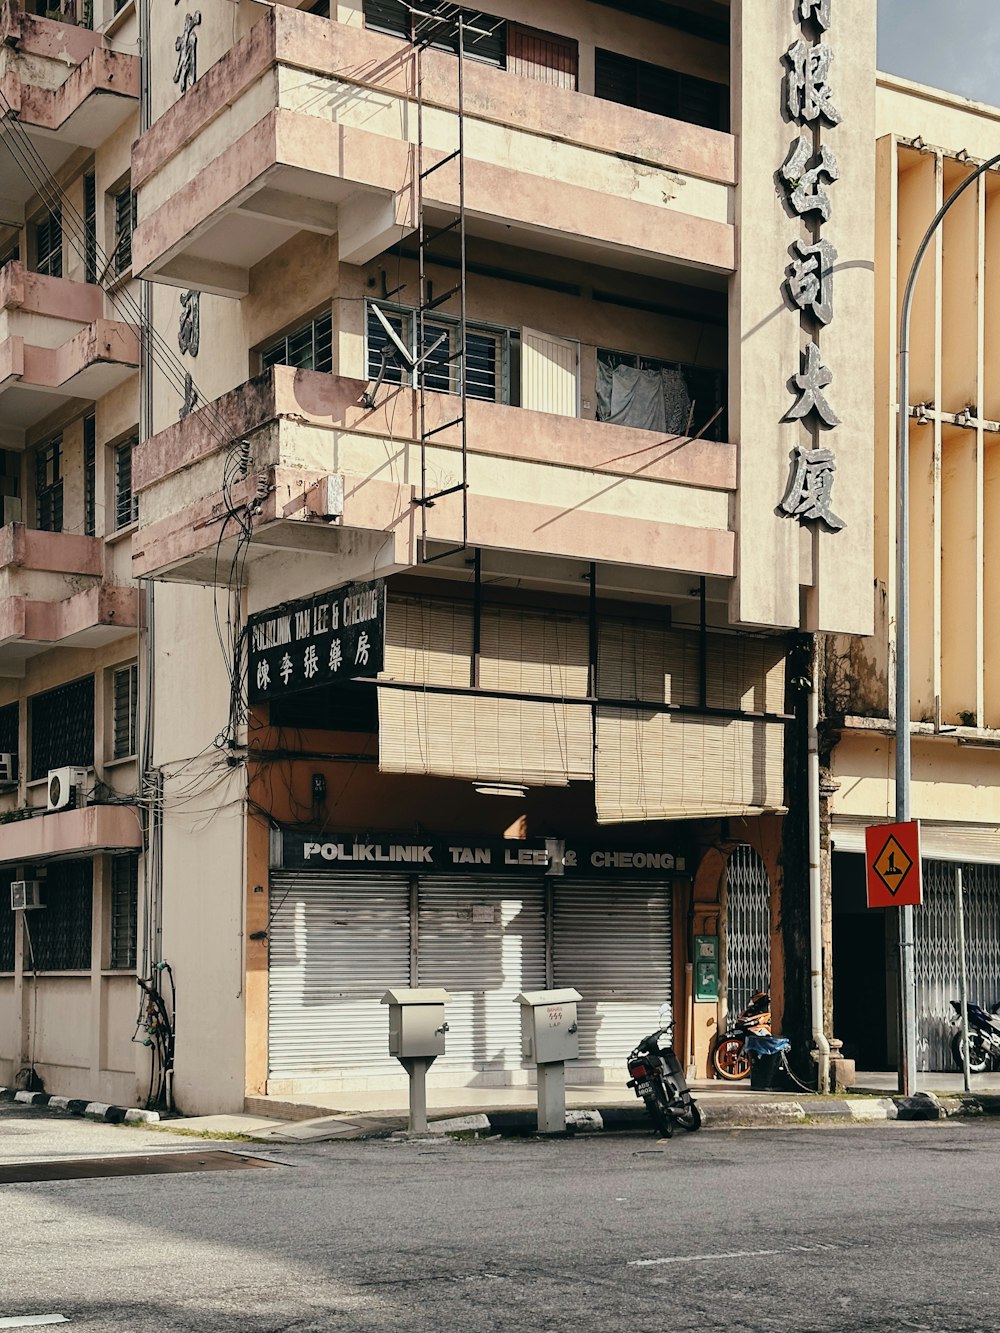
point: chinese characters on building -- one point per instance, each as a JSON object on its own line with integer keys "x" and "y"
{"x": 186, "y": 46}
{"x": 189, "y": 342}
{"x": 808, "y": 172}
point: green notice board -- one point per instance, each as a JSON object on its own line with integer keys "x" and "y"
{"x": 706, "y": 968}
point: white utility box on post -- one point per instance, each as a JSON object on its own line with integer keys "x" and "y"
{"x": 417, "y": 1028}
{"x": 550, "y": 1037}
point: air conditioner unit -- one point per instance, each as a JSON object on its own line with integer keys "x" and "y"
{"x": 8, "y": 769}
{"x": 25, "y": 895}
{"x": 67, "y": 788}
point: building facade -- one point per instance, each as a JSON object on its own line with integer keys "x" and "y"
{"x": 504, "y": 435}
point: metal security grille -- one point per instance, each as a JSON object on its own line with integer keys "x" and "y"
{"x": 748, "y": 927}
{"x": 307, "y": 348}
{"x": 60, "y": 934}
{"x": 124, "y": 910}
{"x": 336, "y": 946}
{"x": 49, "y": 486}
{"x": 48, "y": 244}
{"x": 936, "y": 947}
{"x": 90, "y": 475}
{"x": 612, "y": 942}
{"x": 62, "y": 727}
{"x": 126, "y": 697}
{"x": 8, "y": 927}
{"x": 484, "y": 943}
{"x": 124, "y": 221}
{"x": 126, "y": 501}
{"x": 9, "y": 733}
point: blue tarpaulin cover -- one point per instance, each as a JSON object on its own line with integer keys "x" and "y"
{"x": 766, "y": 1045}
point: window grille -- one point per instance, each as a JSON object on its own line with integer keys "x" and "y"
{"x": 9, "y": 736}
{"x": 62, "y": 727}
{"x": 90, "y": 226}
{"x": 664, "y": 92}
{"x": 60, "y": 935}
{"x": 8, "y": 926}
{"x": 48, "y": 244}
{"x": 485, "y": 37}
{"x": 126, "y": 502}
{"x": 126, "y": 696}
{"x": 307, "y": 348}
{"x": 90, "y": 475}
{"x": 49, "y": 485}
{"x": 124, "y": 222}
{"x": 487, "y": 355}
{"x": 124, "y": 910}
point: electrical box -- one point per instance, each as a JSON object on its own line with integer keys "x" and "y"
{"x": 417, "y": 1024}
{"x": 25, "y": 895}
{"x": 67, "y": 788}
{"x": 706, "y": 968}
{"x": 549, "y": 1032}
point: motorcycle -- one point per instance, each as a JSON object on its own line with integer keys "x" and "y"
{"x": 984, "y": 1037}
{"x": 730, "y": 1059}
{"x": 657, "y": 1078}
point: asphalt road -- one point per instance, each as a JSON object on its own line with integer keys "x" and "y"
{"x": 844, "y": 1230}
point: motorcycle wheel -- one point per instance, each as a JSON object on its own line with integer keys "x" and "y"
{"x": 979, "y": 1058}
{"x": 689, "y": 1118}
{"x": 729, "y": 1060}
{"x": 659, "y": 1113}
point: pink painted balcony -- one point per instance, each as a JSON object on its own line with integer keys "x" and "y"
{"x": 53, "y": 593}
{"x": 55, "y": 344}
{"x": 324, "y": 473}
{"x": 66, "y": 89}
{"x": 309, "y": 124}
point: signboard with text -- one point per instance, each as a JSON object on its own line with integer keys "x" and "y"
{"x": 319, "y": 640}
{"x": 892, "y": 862}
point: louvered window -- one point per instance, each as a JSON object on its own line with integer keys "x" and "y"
{"x": 125, "y": 693}
{"x": 8, "y": 926}
{"x": 48, "y": 244}
{"x": 10, "y": 717}
{"x": 485, "y": 36}
{"x": 62, "y": 727}
{"x": 664, "y": 92}
{"x": 60, "y": 935}
{"x": 126, "y": 501}
{"x": 49, "y": 485}
{"x": 307, "y": 348}
{"x": 90, "y": 226}
{"x": 124, "y": 203}
{"x": 124, "y": 911}
{"x": 487, "y": 354}
{"x": 90, "y": 475}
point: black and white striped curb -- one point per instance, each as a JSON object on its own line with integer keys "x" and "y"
{"x": 111, "y": 1115}
{"x": 735, "y": 1114}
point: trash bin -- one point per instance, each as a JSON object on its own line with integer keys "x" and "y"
{"x": 766, "y": 1063}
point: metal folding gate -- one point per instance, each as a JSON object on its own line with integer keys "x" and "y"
{"x": 484, "y": 942}
{"x": 936, "y": 947}
{"x": 337, "y": 944}
{"x": 747, "y": 927}
{"x": 613, "y": 943}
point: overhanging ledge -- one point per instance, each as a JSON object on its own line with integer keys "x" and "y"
{"x": 95, "y": 828}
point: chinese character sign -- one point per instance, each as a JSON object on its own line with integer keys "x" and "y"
{"x": 319, "y": 640}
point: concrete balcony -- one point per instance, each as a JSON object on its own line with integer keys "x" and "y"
{"x": 65, "y": 88}
{"x": 53, "y": 593}
{"x": 95, "y": 828}
{"x": 309, "y": 124}
{"x": 540, "y": 483}
{"x": 55, "y": 345}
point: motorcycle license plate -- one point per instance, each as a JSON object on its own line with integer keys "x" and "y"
{"x": 643, "y": 1089}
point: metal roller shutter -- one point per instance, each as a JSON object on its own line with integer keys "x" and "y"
{"x": 484, "y": 942}
{"x": 613, "y": 943}
{"x": 336, "y": 946}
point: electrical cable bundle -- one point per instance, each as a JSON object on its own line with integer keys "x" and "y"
{"x": 154, "y": 1019}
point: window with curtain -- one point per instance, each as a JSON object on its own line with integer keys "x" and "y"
{"x": 650, "y": 394}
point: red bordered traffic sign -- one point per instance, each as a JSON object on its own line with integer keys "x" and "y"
{"x": 892, "y": 860}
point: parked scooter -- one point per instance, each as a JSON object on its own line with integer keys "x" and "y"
{"x": 984, "y": 1037}
{"x": 657, "y": 1078}
{"x": 730, "y": 1058}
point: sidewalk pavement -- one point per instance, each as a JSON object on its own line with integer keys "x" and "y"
{"x": 487, "y": 1111}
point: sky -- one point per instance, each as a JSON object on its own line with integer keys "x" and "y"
{"x": 950, "y": 44}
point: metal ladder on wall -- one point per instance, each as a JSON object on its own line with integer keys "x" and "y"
{"x": 436, "y": 21}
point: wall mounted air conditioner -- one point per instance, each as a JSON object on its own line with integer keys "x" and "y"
{"x": 67, "y": 788}
{"x": 25, "y": 895}
{"x": 8, "y": 769}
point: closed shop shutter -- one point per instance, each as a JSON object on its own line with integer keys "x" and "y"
{"x": 613, "y": 943}
{"x": 484, "y": 942}
{"x": 336, "y": 946}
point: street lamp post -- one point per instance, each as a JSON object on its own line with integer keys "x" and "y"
{"x": 908, "y": 980}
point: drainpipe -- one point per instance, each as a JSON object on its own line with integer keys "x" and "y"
{"x": 822, "y": 1055}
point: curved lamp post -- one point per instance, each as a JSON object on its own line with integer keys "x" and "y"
{"x": 908, "y": 984}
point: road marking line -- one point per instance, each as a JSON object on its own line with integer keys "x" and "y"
{"x": 32, "y": 1320}
{"x": 733, "y": 1254}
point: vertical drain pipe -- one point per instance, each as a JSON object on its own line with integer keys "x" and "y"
{"x": 822, "y": 1056}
